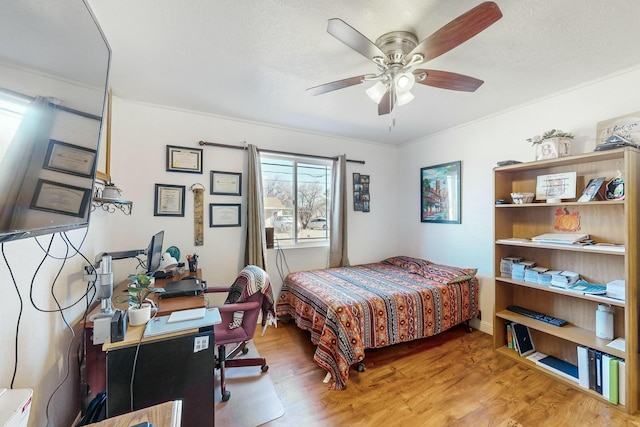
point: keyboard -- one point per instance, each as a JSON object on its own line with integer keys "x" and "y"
{"x": 537, "y": 315}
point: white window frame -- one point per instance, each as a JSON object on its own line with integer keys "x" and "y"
{"x": 297, "y": 239}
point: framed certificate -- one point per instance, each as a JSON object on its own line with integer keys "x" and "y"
{"x": 68, "y": 158}
{"x": 60, "y": 198}
{"x": 226, "y": 183}
{"x": 224, "y": 215}
{"x": 184, "y": 159}
{"x": 169, "y": 200}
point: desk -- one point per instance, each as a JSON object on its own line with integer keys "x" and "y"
{"x": 171, "y": 366}
{"x": 93, "y": 371}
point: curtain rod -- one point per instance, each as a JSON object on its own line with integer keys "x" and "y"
{"x": 237, "y": 147}
{"x": 56, "y": 106}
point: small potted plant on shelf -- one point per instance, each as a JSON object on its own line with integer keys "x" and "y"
{"x": 139, "y": 311}
{"x": 551, "y": 144}
{"x": 111, "y": 191}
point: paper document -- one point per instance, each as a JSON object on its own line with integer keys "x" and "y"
{"x": 182, "y": 315}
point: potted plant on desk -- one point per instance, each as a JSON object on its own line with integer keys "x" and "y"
{"x": 139, "y": 311}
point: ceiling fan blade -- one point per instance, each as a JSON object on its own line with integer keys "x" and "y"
{"x": 448, "y": 80}
{"x": 458, "y": 31}
{"x": 353, "y": 38}
{"x": 338, "y": 84}
{"x": 385, "y": 106}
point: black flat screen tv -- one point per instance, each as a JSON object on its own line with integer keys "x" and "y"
{"x": 54, "y": 67}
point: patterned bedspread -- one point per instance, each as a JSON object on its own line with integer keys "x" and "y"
{"x": 350, "y": 309}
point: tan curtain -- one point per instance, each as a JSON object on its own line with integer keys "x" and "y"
{"x": 255, "y": 252}
{"x": 338, "y": 223}
{"x": 17, "y": 182}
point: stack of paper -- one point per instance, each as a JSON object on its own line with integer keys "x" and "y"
{"x": 506, "y": 265}
{"x": 563, "y": 238}
{"x": 616, "y": 289}
{"x": 564, "y": 279}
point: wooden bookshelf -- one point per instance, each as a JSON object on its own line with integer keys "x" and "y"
{"x": 607, "y": 221}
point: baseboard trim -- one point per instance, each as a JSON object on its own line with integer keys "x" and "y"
{"x": 482, "y": 326}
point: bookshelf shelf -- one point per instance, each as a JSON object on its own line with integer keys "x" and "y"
{"x": 613, "y": 222}
{"x": 511, "y": 354}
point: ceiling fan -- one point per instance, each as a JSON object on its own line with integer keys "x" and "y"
{"x": 398, "y": 55}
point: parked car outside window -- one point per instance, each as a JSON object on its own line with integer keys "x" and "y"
{"x": 317, "y": 224}
{"x": 283, "y": 223}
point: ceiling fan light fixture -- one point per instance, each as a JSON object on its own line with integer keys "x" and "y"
{"x": 404, "y": 97}
{"x": 404, "y": 82}
{"x": 377, "y": 91}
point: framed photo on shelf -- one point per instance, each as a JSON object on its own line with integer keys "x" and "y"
{"x": 184, "y": 159}
{"x": 69, "y": 158}
{"x": 169, "y": 200}
{"x": 556, "y": 186}
{"x": 592, "y": 190}
{"x": 226, "y": 183}
{"x": 440, "y": 193}
{"x": 224, "y": 215}
{"x": 60, "y": 198}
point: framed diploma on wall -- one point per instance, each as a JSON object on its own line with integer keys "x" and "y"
{"x": 169, "y": 200}
{"x": 184, "y": 159}
{"x": 68, "y": 158}
{"x": 224, "y": 215}
{"x": 226, "y": 183}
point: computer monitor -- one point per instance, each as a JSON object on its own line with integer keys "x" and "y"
{"x": 154, "y": 253}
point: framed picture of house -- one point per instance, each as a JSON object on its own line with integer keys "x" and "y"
{"x": 440, "y": 193}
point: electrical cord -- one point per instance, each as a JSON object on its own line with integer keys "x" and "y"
{"x": 280, "y": 259}
{"x": 35, "y": 274}
{"x": 15, "y": 284}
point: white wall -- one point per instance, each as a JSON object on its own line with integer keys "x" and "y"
{"x": 480, "y": 145}
{"x": 140, "y": 134}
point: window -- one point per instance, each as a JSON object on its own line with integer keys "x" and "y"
{"x": 11, "y": 112}
{"x": 297, "y": 196}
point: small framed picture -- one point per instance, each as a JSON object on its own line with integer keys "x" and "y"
{"x": 224, "y": 215}
{"x": 184, "y": 159}
{"x": 68, "y": 158}
{"x": 556, "y": 186}
{"x": 226, "y": 183}
{"x": 169, "y": 200}
{"x": 60, "y": 198}
{"x": 592, "y": 190}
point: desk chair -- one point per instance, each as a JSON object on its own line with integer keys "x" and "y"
{"x": 247, "y": 297}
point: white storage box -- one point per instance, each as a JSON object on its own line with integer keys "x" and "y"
{"x": 15, "y": 406}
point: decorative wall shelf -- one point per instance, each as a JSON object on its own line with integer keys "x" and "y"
{"x": 110, "y": 205}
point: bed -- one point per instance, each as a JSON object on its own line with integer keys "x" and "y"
{"x": 350, "y": 309}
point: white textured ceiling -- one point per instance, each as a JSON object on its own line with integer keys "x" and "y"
{"x": 253, "y": 59}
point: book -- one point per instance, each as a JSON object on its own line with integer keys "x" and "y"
{"x": 622, "y": 382}
{"x": 564, "y": 238}
{"x": 583, "y": 366}
{"x": 522, "y": 337}
{"x": 509, "y": 337}
{"x": 613, "y": 380}
{"x": 560, "y": 367}
{"x": 592, "y": 369}
{"x": 586, "y": 288}
{"x": 598, "y": 355}
{"x": 606, "y": 370}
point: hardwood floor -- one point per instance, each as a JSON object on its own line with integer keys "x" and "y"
{"x": 454, "y": 379}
